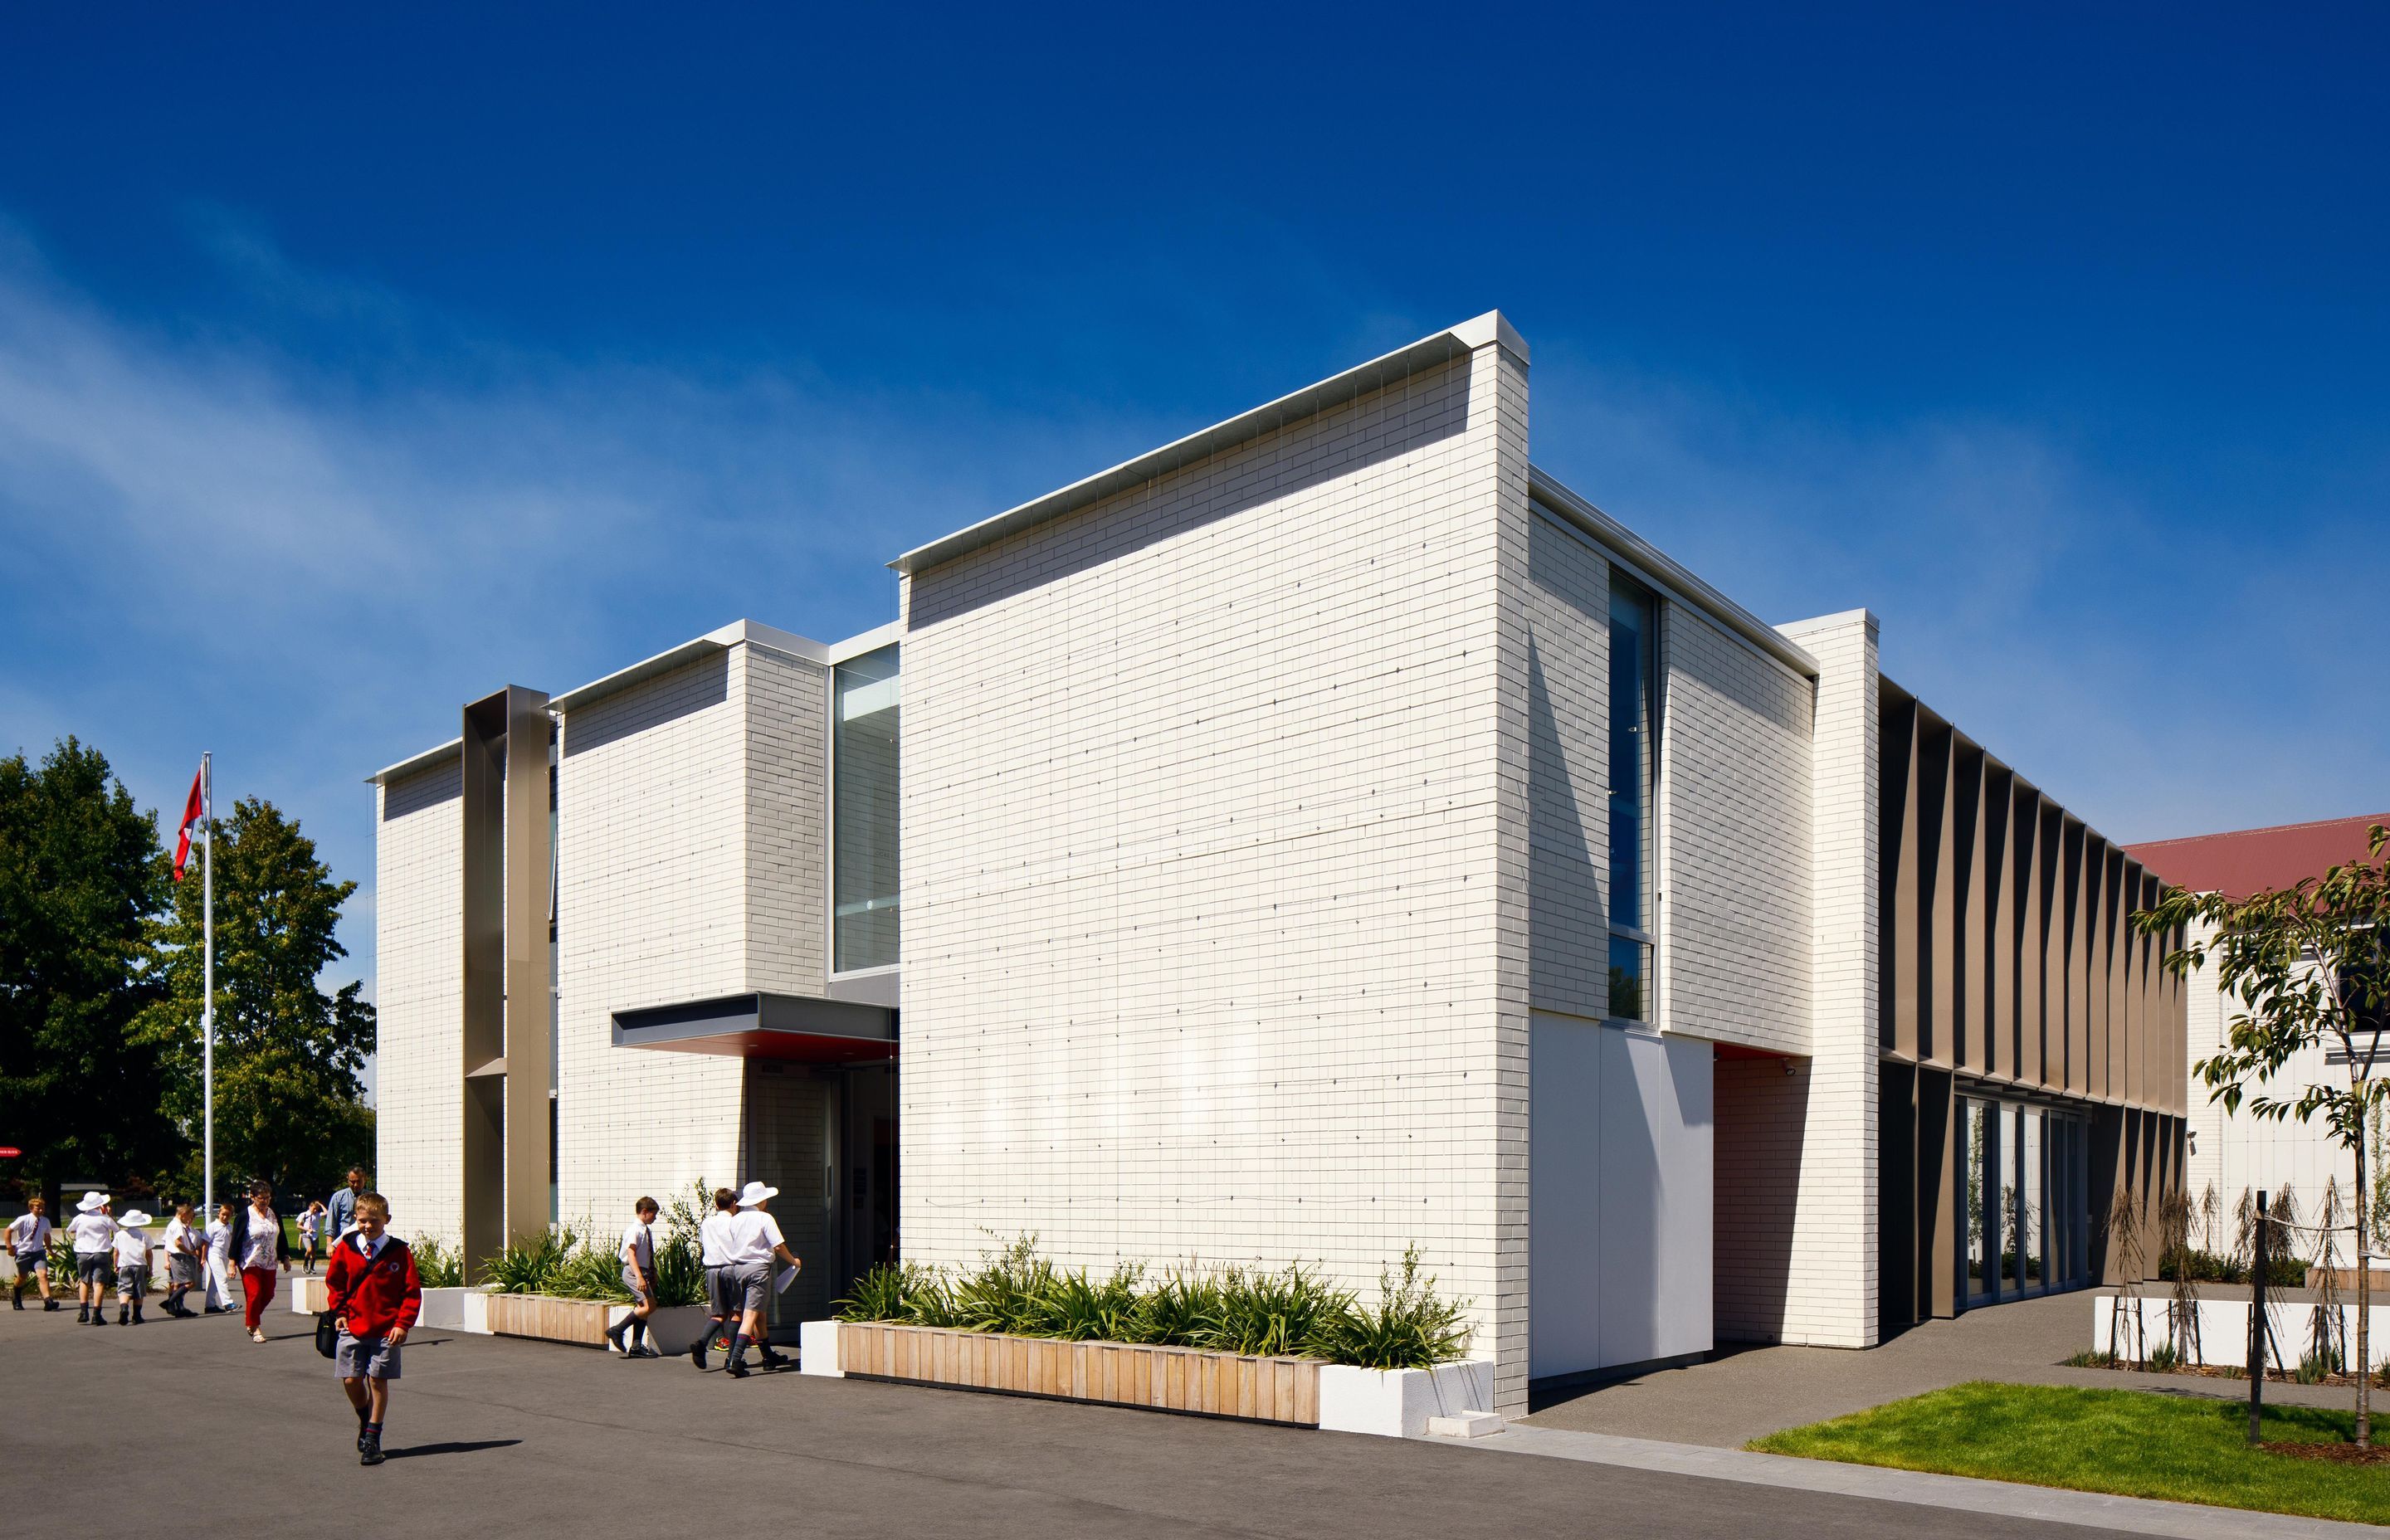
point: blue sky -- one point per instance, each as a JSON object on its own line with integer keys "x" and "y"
{"x": 326, "y": 339}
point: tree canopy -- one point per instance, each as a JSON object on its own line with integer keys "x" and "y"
{"x": 81, "y": 873}
{"x": 288, "y": 1053}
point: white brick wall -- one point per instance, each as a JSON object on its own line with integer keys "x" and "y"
{"x": 1831, "y": 1281}
{"x": 691, "y": 845}
{"x": 419, "y": 946}
{"x": 2233, "y": 1151}
{"x": 1736, "y": 947}
{"x": 1203, "y": 789}
{"x": 1567, "y": 600}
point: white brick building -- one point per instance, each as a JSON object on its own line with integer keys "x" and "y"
{"x": 1321, "y": 836}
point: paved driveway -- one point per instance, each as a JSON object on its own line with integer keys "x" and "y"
{"x": 183, "y": 1423}
{"x": 1732, "y": 1400}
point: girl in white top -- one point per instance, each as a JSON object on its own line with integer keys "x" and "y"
{"x": 220, "y": 1289}
{"x": 311, "y": 1226}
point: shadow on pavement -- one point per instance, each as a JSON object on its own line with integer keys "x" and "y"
{"x": 422, "y": 1449}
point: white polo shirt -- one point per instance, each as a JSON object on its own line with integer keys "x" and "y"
{"x": 639, "y": 1245}
{"x": 132, "y": 1247}
{"x": 93, "y": 1233}
{"x": 29, "y": 1232}
{"x": 178, "y": 1236}
{"x": 754, "y": 1234}
{"x": 714, "y": 1240}
{"x": 220, "y": 1238}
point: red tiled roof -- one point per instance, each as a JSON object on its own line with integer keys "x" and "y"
{"x": 2254, "y": 860}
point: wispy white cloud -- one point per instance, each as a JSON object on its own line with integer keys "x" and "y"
{"x": 2161, "y": 681}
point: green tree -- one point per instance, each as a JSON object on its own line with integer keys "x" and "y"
{"x": 2305, "y": 965}
{"x": 289, "y": 1105}
{"x": 81, "y": 874}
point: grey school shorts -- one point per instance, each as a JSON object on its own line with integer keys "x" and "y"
{"x": 366, "y": 1358}
{"x": 750, "y": 1284}
{"x": 630, "y": 1282}
{"x": 182, "y": 1271}
{"x": 132, "y": 1283}
{"x": 28, "y": 1261}
{"x": 717, "y": 1291}
{"x": 92, "y": 1266}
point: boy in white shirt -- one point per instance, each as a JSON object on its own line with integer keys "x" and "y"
{"x": 638, "y": 1256}
{"x": 757, "y": 1243}
{"x": 132, "y": 1266}
{"x": 94, "y": 1234}
{"x": 183, "y": 1250}
{"x": 29, "y": 1242}
{"x": 714, "y": 1243}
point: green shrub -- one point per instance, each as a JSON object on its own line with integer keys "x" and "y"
{"x": 439, "y": 1265}
{"x": 2317, "y": 1367}
{"x": 525, "y": 1266}
{"x": 1279, "y": 1315}
{"x": 1181, "y": 1311}
{"x": 2094, "y": 1358}
{"x": 1410, "y": 1327}
{"x": 1287, "y": 1311}
{"x": 2162, "y": 1358}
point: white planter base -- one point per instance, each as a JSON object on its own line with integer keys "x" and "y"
{"x": 1400, "y": 1402}
{"x": 817, "y": 1349}
{"x": 671, "y": 1330}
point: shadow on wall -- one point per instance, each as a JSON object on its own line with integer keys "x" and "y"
{"x": 1762, "y": 1116}
{"x": 443, "y": 784}
{"x": 1370, "y": 429}
{"x": 690, "y": 688}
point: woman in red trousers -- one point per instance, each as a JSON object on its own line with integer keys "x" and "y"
{"x": 258, "y": 1248}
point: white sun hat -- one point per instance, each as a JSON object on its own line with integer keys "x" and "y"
{"x": 134, "y": 1219}
{"x": 754, "y": 1193}
{"x": 91, "y": 1201}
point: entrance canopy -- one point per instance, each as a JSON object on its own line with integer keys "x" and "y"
{"x": 765, "y": 1026}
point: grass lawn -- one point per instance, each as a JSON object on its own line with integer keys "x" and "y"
{"x": 2130, "y": 1443}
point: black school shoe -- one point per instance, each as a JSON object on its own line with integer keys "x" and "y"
{"x": 735, "y": 1369}
{"x": 697, "y": 1352}
{"x": 369, "y": 1450}
{"x": 83, "y": 1314}
{"x": 48, "y": 1305}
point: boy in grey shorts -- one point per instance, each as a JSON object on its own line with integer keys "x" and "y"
{"x": 713, "y": 1241}
{"x": 376, "y": 1296}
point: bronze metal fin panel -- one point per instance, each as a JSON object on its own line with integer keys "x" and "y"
{"x": 1998, "y": 936}
{"x": 2032, "y": 944}
{"x": 1936, "y": 797}
{"x": 1901, "y": 843}
{"x": 530, "y": 1006}
{"x": 2078, "y": 999}
{"x": 482, "y": 914}
{"x": 1969, "y": 1038}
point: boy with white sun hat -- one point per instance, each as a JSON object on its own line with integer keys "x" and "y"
{"x": 755, "y": 1243}
{"x": 132, "y": 1266}
{"x": 94, "y": 1235}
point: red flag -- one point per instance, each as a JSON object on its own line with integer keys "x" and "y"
{"x": 191, "y": 811}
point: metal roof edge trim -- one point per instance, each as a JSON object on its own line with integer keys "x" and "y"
{"x": 1670, "y": 574}
{"x": 1386, "y": 369}
{"x": 424, "y": 761}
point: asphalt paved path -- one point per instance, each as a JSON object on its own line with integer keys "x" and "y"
{"x": 498, "y": 1436}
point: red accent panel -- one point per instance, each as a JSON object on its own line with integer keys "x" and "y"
{"x": 803, "y": 1048}
{"x": 2255, "y": 860}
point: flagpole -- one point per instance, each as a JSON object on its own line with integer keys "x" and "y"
{"x": 208, "y": 984}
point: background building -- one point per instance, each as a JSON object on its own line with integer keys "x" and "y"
{"x": 1322, "y": 836}
{"x": 2233, "y": 1152}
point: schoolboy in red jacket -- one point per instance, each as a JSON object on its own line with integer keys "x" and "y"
{"x": 375, "y": 1296}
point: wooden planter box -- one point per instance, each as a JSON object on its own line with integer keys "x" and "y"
{"x": 547, "y": 1318}
{"x": 1121, "y": 1374}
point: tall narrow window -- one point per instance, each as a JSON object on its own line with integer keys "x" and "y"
{"x": 863, "y": 883}
{"x": 1634, "y": 763}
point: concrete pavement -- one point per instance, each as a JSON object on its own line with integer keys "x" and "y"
{"x": 185, "y": 1418}
{"x": 1743, "y": 1395}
